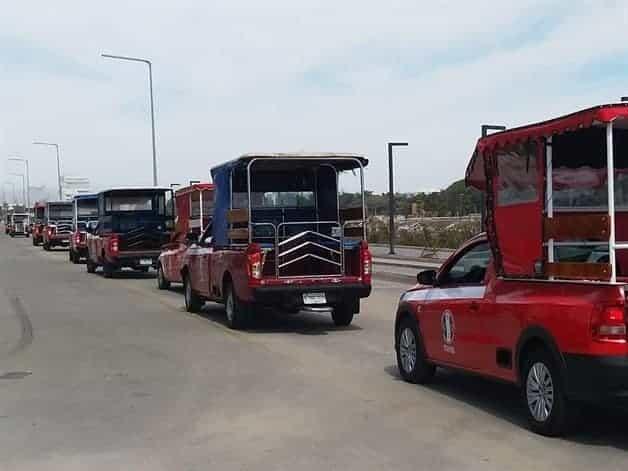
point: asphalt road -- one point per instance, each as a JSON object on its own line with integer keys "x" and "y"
{"x": 113, "y": 374}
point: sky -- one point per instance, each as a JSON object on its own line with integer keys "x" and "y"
{"x": 242, "y": 76}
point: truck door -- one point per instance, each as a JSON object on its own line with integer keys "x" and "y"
{"x": 450, "y": 306}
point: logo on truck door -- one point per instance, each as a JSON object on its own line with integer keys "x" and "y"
{"x": 448, "y": 327}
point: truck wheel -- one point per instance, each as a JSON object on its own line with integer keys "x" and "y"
{"x": 342, "y": 315}
{"x": 162, "y": 282}
{"x": 91, "y": 266}
{"x": 76, "y": 258}
{"x": 34, "y": 242}
{"x": 108, "y": 270}
{"x": 193, "y": 302}
{"x": 411, "y": 358}
{"x": 238, "y": 313}
{"x": 46, "y": 247}
{"x": 543, "y": 394}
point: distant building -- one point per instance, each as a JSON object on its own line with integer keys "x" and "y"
{"x": 72, "y": 186}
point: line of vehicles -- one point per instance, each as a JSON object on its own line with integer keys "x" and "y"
{"x": 537, "y": 300}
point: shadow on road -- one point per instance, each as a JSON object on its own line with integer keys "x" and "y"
{"x": 595, "y": 425}
{"x": 267, "y": 321}
{"x": 131, "y": 275}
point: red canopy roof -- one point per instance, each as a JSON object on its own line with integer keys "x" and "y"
{"x": 195, "y": 187}
{"x": 580, "y": 119}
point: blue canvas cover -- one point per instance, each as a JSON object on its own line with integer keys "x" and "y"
{"x": 222, "y": 203}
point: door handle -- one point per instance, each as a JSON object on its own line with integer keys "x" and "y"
{"x": 475, "y": 306}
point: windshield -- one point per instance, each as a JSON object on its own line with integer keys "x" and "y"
{"x": 19, "y": 217}
{"x": 87, "y": 209}
{"x": 59, "y": 211}
{"x": 39, "y": 213}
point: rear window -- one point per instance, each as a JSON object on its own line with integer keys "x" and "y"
{"x": 129, "y": 203}
{"x": 60, "y": 212}
{"x": 87, "y": 208}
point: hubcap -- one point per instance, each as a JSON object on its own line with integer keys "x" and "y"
{"x": 229, "y": 307}
{"x": 540, "y": 392}
{"x": 407, "y": 350}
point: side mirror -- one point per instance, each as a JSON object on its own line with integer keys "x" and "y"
{"x": 426, "y": 277}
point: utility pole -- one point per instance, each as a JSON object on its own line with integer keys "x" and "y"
{"x": 391, "y": 196}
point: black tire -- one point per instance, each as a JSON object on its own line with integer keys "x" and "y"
{"x": 162, "y": 281}
{"x": 342, "y": 315}
{"x": 193, "y": 302}
{"x": 35, "y": 242}
{"x": 415, "y": 370}
{"x": 238, "y": 313}
{"x": 108, "y": 270}
{"x": 91, "y": 266}
{"x": 76, "y": 258}
{"x": 46, "y": 247}
{"x": 548, "y": 418}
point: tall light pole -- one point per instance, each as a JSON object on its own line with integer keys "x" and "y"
{"x": 391, "y": 196}
{"x": 56, "y": 146}
{"x": 28, "y": 178}
{"x": 152, "y": 105}
{"x": 21, "y": 175}
{"x": 9, "y": 182}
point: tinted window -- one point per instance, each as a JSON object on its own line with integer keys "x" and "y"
{"x": 469, "y": 268}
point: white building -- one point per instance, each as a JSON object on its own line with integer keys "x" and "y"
{"x": 72, "y": 186}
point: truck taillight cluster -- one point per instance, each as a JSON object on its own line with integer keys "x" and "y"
{"x": 51, "y": 231}
{"x": 610, "y": 325}
{"x": 77, "y": 238}
{"x": 366, "y": 262}
{"x": 255, "y": 261}
{"x": 114, "y": 246}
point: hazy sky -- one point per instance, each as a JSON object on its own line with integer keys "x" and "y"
{"x": 285, "y": 75}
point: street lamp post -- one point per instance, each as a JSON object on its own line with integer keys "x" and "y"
{"x": 9, "y": 182}
{"x": 391, "y": 197}
{"x": 28, "y": 178}
{"x": 56, "y": 146}
{"x": 152, "y": 105}
{"x": 23, "y": 185}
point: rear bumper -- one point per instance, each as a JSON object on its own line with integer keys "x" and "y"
{"x": 135, "y": 259}
{"x": 597, "y": 378}
{"x": 61, "y": 239}
{"x": 292, "y": 296}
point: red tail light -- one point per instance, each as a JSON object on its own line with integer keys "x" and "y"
{"x": 366, "y": 262}
{"x": 114, "y": 246}
{"x": 77, "y": 238}
{"x": 255, "y": 259}
{"x": 51, "y": 230}
{"x": 610, "y": 325}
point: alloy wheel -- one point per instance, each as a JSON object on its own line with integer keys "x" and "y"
{"x": 407, "y": 349}
{"x": 540, "y": 392}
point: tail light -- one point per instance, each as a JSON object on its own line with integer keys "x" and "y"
{"x": 366, "y": 262}
{"x": 51, "y": 231}
{"x": 77, "y": 238}
{"x": 114, "y": 246}
{"x": 609, "y": 325}
{"x": 255, "y": 261}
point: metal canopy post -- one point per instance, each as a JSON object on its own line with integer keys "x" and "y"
{"x": 610, "y": 169}
{"x": 549, "y": 190}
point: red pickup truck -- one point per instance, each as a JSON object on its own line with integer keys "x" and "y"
{"x": 57, "y": 224}
{"x": 194, "y": 205}
{"x": 540, "y": 299}
{"x": 37, "y": 226}
{"x": 85, "y": 210}
{"x": 133, "y": 224}
{"x": 279, "y": 238}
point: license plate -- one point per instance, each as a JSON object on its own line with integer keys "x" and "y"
{"x": 146, "y": 262}
{"x": 314, "y": 298}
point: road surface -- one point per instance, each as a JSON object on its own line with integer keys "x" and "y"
{"x": 112, "y": 374}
